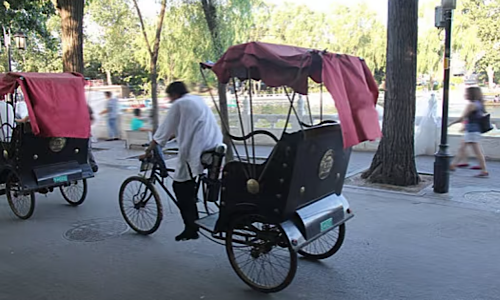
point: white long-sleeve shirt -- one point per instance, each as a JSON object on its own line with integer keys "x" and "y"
{"x": 196, "y": 130}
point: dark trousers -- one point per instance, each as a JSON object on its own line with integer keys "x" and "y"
{"x": 185, "y": 192}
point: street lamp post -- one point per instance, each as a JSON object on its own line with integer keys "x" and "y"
{"x": 19, "y": 40}
{"x": 444, "y": 15}
{"x": 6, "y": 40}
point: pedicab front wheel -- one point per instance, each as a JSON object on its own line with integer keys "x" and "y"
{"x": 140, "y": 205}
{"x": 260, "y": 253}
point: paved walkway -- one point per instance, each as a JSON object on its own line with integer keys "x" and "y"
{"x": 396, "y": 247}
{"x": 464, "y": 188}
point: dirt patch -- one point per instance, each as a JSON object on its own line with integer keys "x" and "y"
{"x": 425, "y": 181}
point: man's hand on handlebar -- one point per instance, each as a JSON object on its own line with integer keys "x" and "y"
{"x": 149, "y": 149}
{"x": 143, "y": 157}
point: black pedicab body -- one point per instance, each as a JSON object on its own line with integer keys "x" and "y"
{"x": 37, "y": 163}
{"x": 291, "y": 203}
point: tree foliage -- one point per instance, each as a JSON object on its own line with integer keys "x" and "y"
{"x": 27, "y": 15}
{"x": 484, "y": 17}
{"x": 115, "y": 47}
{"x": 33, "y": 18}
{"x": 344, "y": 29}
{"x": 465, "y": 44}
{"x": 115, "y": 28}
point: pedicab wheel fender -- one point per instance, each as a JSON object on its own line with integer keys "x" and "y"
{"x": 153, "y": 194}
{"x": 232, "y": 259}
{"x": 10, "y": 200}
{"x": 82, "y": 197}
{"x": 329, "y": 252}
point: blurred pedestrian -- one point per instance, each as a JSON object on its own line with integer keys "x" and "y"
{"x": 472, "y": 115}
{"x": 137, "y": 124}
{"x": 112, "y": 112}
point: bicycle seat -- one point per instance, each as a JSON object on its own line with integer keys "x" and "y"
{"x": 207, "y": 157}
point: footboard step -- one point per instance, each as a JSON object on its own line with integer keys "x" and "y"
{"x": 208, "y": 223}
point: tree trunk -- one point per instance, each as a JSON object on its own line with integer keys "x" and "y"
{"x": 108, "y": 77}
{"x": 154, "y": 92}
{"x": 491, "y": 74}
{"x": 210, "y": 13}
{"x": 71, "y": 12}
{"x": 394, "y": 161}
{"x": 153, "y": 53}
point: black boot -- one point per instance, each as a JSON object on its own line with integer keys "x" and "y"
{"x": 187, "y": 234}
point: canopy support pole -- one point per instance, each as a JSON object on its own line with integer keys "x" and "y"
{"x": 289, "y": 113}
{"x": 294, "y": 110}
{"x": 240, "y": 118}
{"x": 251, "y": 119}
{"x": 321, "y": 102}
{"x": 223, "y": 123}
{"x": 309, "y": 109}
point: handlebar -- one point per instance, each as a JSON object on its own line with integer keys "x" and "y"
{"x": 170, "y": 141}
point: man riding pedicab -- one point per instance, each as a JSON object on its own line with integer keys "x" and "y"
{"x": 193, "y": 124}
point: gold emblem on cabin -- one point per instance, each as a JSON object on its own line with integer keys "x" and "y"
{"x": 57, "y": 144}
{"x": 326, "y": 165}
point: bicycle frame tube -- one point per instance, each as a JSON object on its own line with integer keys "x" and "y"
{"x": 155, "y": 177}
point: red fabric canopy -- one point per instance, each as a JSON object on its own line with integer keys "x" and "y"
{"x": 347, "y": 78}
{"x": 56, "y": 102}
{"x": 355, "y": 93}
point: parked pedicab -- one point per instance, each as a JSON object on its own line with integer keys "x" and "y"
{"x": 48, "y": 151}
{"x": 267, "y": 212}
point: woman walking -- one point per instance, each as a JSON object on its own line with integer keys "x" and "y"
{"x": 471, "y": 116}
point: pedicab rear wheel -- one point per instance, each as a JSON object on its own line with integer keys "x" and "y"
{"x": 140, "y": 205}
{"x": 251, "y": 244}
{"x": 21, "y": 203}
{"x": 75, "y": 193}
{"x": 326, "y": 245}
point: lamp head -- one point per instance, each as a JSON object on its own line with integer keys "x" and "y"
{"x": 20, "y": 40}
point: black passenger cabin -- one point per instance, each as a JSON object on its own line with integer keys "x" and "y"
{"x": 45, "y": 162}
{"x": 304, "y": 166}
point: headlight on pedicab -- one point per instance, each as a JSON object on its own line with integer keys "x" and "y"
{"x": 57, "y": 144}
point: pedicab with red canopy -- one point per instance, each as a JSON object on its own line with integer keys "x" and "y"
{"x": 265, "y": 213}
{"x": 49, "y": 150}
